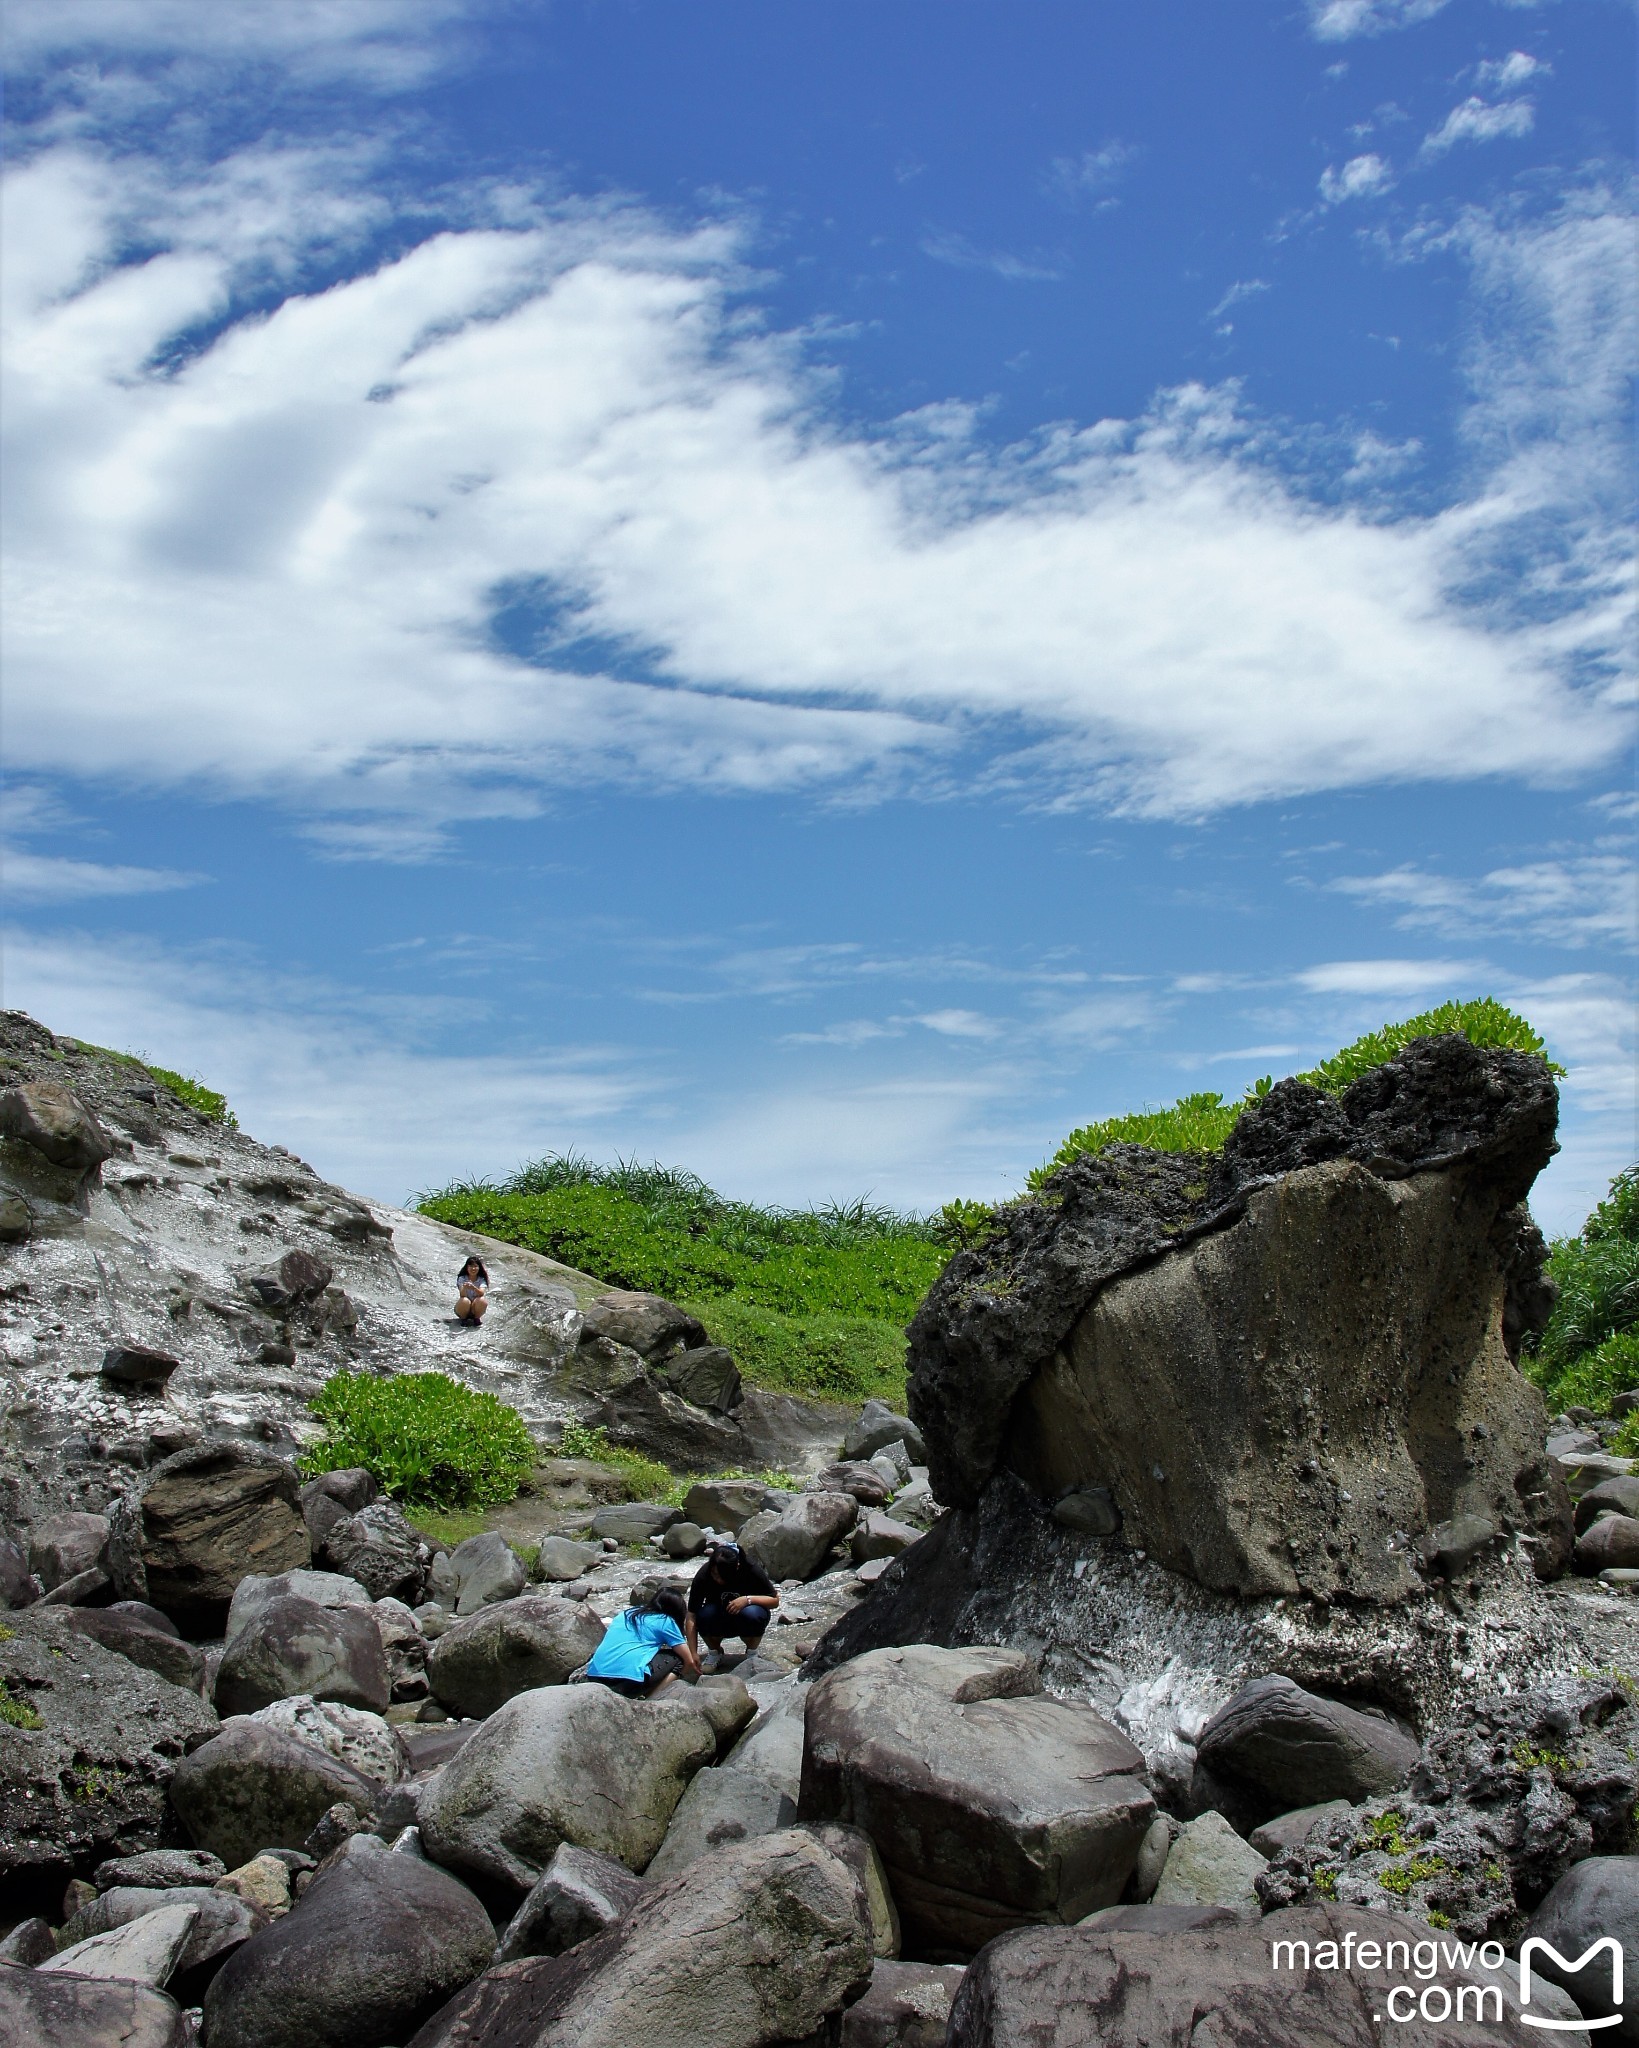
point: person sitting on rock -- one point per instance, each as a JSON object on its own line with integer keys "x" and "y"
{"x": 644, "y": 1649}
{"x": 730, "y": 1596}
{"x": 472, "y": 1291}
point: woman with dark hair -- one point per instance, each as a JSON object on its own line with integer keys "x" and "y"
{"x": 472, "y": 1291}
{"x": 644, "y": 1649}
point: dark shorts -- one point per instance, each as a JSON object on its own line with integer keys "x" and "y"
{"x": 663, "y": 1664}
{"x": 714, "y": 1621}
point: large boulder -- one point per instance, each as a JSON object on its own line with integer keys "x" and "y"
{"x": 1595, "y": 1900}
{"x": 725, "y": 1504}
{"x": 221, "y": 1923}
{"x": 560, "y": 1559}
{"x": 63, "y": 1546}
{"x": 907, "y": 2006}
{"x": 145, "y": 1950}
{"x": 991, "y": 1805}
{"x": 17, "y": 1583}
{"x": 574, "y": 1763}
{"x": 363, "y": 1741}
{"x": 483, "y": 1569}
{"x": 1209, "y": 1865}
{"x": 645, "y": 1323}
{"x": 252, "y": 1787}
{"x": 875, "y": 1427}
{"x": 1153, "y": 1322}
{"x": 40, "y": 2007}
{"x": 643, "y": 1414}
{"x": 90, "y": 1781}
{"x": 706, "y": 1377}
{"x": 324, "y": 1589}
{"x": 802, "y": 1535}
{"x": 483, "y": 1661}
{"x": 294, "y": 1646}
{"x": 332, "y": 1497}
{"x": 634, "y": 1521}
{"x": 579, "y": 1894}
{"x": 156, "y": 1649}
{"x": 377, "y": 1943}
{"x": 1279, "y": 1746}
{"x": 204, "y": 1518}
{"x": 51, "y": 1149}
{"x": 720, "y": 1807}
{"x": 378, "y": 1547}
{"x": 754, "y": 1947}
{"x": 1281, "y": 1984}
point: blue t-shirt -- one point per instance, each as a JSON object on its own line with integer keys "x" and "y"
{"x": 629, "y": 1644}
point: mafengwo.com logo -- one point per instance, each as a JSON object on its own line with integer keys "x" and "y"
{"x": 1436, "y": 1980}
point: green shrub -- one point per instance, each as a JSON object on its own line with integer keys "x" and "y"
{"x": 646, "y": 1478}
{"x": 827, "y": 1357}
{"x": 16, "y": 1713}
{"x": 1201, "y": 1122}
{"x": 430, "y": 1441}
{"x": 1590, "y": 1349}
{"x": 1598, "y": 1376}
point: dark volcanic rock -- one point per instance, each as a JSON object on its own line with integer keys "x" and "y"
{"x": 135, "y": 1365}
{"x": 298, "y": 1278}
{"x": 998, "y": 1313}
{"x": 38, "y": 2006}
{"x": 205, "y": 1517}
{"x": 645, "y": 1323}
{"x": 253, "y": 1788}
{"x": 1594, "y": 1899}
{"x": 92, "y": 1779}
{"x": 378, "y": 1547}
{"x": 66, "y": 1545}
{"x": 377, "y": 1943}
{"x": 293, "y": 1646}
{"x": 1286, "y": 1747}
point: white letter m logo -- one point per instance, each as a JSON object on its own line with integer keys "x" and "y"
{"x": 1533, "y": 1944}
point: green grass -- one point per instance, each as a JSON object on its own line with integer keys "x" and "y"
{"x": 430, "y": 1442}
{"x": 17, "y": 1713}
{"x": 1590, "y": 1350}
{"x": 823, "y": 1356}
{"x": 1202, "y": 1122}
{"x": 185, "y": 1087}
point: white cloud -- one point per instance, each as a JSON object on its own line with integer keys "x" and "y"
{"x": 1578, "y": 900}
{"x": 1508, "y": 74}
{"x": 1246, "y": 288}
{"x": 48, "y": 878}
{"x": 961, "y": 254}
{"x": 1362, "y": 177}
{"x": 385, "y": 44}
{"x": 1388, "y": 977}
{"x": 1337, "y": 21}
{"x": 297, "y": 533}
{"x": 1090, "y": 175}
{"x": 1475, "y": 120}
{"x": 959, "y": 1024}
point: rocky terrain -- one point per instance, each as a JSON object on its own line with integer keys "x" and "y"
{"x": 1269, "y": 1616}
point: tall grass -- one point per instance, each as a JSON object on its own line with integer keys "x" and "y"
{"x": 1589, "y": 1353}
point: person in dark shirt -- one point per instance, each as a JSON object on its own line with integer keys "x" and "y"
{"x": 730, "y": 1596}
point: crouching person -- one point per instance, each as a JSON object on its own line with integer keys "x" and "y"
{"x": 644, "y": 1649}
{"x": 730, "y": 1596}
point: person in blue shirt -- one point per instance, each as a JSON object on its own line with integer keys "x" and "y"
{"x": 644, "y": 1649}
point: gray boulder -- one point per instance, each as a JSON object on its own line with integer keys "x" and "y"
{"x": 378, "y": 1547}
{"x": 377, "y": 1943}
{"x": 802, "y": 1535}
{"x": 989, "y": 1803}
{"x": 39, "y": 2007}
{"x": 907, "y": 2006}
{"x": 1609, "y": 1544}
{"x": 720, "y": 1807}
{"x": 324, "y": 1589}
{"x": 633, "y": 1521}
{"x": 29, "y": 1942}
{"x": 1610, "y": 1496}
{"x": 204, "y": 1518}
{"x": 292, "y": 1647}
{"x": 1596, "y": 1898}
{"x": 574, "y": 1763}
{"x": 1209, "y": 1865}
{"x": 1277, "y": 1744}
{"x": 645, "y": 1323}
{"x": 869, "y": 1484}
{"x": 74, "y": 1592}
{"x": 880, "y": 1536}
{"x": 684, "y": 1539}
{"x": 161, "y": 1651}
{"x": 535, "y": 1640}
{"x": 772, "y": 1747}
{"x": 253, "y": 1788}
{"x": 17, "y": 1582}
{"x": 483, "y": 1569}
{"x": 579, "y": 1894}
{"x": 1292, "y": 1830}
{"x": 1049, "y": 1987}
{"x": 876, "y": 1426}
{"x": 361, "y": 1740}
{"x": 757, "y": 1946}
{"x": 1090, "y": 1511}
{"x": 93, "y": 1776}
{"x": 728, "y": 1503}
{"x": 561, "y": 1559}
{"x": 222, "y": 1922}
{"x": 51, "y": 1154}
{"x": 298, "y": 1278}
{"x": 145, "y": 1949}
{"x": 706, "y": 1377}
{"x": 159, "y": 1869}
{"x": 63, "y": 1546}
{"x": 328, "y": 1501}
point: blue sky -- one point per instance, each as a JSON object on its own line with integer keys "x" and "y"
{"x": 823, "y": 594}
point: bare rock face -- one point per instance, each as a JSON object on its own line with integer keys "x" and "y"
{"x": 206, "y": 1517}
{"x": 1481, "y": 1120}
{"x": 51, "y": 1150}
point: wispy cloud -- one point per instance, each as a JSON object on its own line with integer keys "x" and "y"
{"x": 1476, "y": 120}
{"x": 1362, "y": 177}
{"x": 1577, "y": 900}
{"x": 50, "y": 878}
{"x": 1092, "y": 174}
{"x": 1389, "y": 977}
{"x": 1508, "y": 74}
{"x": 1237, "y": 294}
{"x": 947, "y": 247}
{"x": 1338, "y": 21}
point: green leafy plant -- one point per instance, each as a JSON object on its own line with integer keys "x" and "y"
{"x": 429, "y": 1440}
{"x": 17, "y": 1713}
{"x": 1406, "y": 1876}
{"x": 1203, "y": 1121}
{"x": 1589, "y": 1351}
{"x": 823, "y": 1355}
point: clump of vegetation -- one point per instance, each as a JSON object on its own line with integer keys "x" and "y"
{"x": 16, "y": 1713}
{"x": 1202, "y": 1122}
{"x": 1589, "y": 1353}
{"x": 646, "y": 1478}
{"x": 187, "y": 1088}
{"x": 430, "y": 1441}
{"x": 827, "y": 1357}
